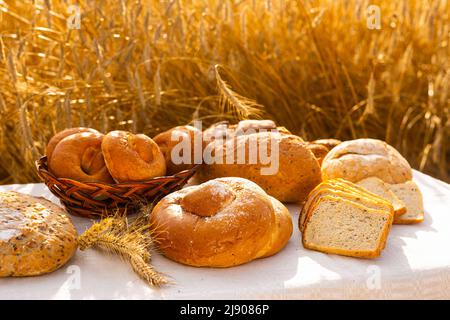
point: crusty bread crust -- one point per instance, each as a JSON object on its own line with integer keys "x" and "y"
{"x": 328, "y": 143}
{"x": 79, "y": 157}
{"x": 36, "y": 236}
{"x": 221, "y": 223}
{"x": 61, "y": 135}
{"x": 369, "y": 254}
{"x": 319, "y": 151}
{"x": 355, "y": 160}
{"x": 298, "y": 172}
{"x": 166, "y": 145}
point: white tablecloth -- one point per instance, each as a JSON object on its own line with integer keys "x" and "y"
{"x": 415, "y": 264}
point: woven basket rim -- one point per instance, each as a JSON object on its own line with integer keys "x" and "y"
{"x": 41, "y": 165}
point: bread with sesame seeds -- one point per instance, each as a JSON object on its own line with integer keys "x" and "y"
{"x": 36, "y": 235}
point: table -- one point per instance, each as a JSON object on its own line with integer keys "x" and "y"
{"x": 415, "y": 264}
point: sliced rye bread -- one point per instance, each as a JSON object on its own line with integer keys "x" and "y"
{"x": 345, "y": 189}
{"x": 339, "y": 226}
{"x": 382, "y": 189}
{"x": 410, "y": 194}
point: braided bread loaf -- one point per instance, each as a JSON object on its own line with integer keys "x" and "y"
{"x": 221, "y": 223}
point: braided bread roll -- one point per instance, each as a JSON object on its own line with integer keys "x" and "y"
{"x": 221, "y": 223}
{"x": 79, "y": 157}
{"x": 132, "y": 157}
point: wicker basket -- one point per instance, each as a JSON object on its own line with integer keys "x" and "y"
{"x": 94, "y": 200}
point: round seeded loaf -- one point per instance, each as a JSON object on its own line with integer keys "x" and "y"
{"x": 355, "y": 160}
{"x": 36, "y": 236}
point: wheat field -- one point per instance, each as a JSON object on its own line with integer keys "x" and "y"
{"x": 312, "y": 66}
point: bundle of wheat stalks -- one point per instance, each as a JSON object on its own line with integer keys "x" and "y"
{"x": 312, "y": 66}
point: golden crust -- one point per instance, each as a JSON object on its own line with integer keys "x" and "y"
{"x": 166, "y": 145}
{"x": 61, "y": 135}
{"x": 319, "y": 151}
{"x": 298, "y": 171}
{"x": 355, "y": 160}
{"x": 328, "y": 143}
{"x": 132, "y": 157}
{"x": 79, "y": 157}
{"x": 242, "y": 225}
{"x": 36, "y": 236}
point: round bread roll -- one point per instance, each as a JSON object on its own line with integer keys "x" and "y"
{"x": 61, "y": 135}
{"x": 79, "y": 157}
{"x": 36, "y": 236}
{"x": 297, "y": 173}
{"x": 355, "y": 160}
{"x": 167, "y": 140}
{"x": 221, "y": 223}
{"x": 132, "y": 157}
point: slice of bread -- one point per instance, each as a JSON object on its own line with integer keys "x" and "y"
{"x": 340, "y": 226}
{"x": 382, "y": 189}
{"x": 346, "y": 190}
{"x": 410, "y": 194}
{"x": 352, "y": 196}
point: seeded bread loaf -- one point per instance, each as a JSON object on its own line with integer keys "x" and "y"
{"x": 380, "y": 188}
{"x": 339, "y": 226}
{"x": 36, "y": 236}
{"x": 410, "y": 194}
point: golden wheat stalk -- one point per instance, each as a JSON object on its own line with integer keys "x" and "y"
{"x": 130, "y": 241}
{"x": 233, "y": 102}
{"x": 148, "y": 66}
